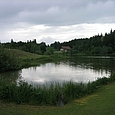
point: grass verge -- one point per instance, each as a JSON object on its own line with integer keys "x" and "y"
{"x": 102, "y": 102}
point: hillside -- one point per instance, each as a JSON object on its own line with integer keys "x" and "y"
{"x": 13, "y": 59}
{"x": 30, "y": 59}
{"x": 22, "y": 54}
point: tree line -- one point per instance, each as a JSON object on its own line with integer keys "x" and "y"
{"x": 29, "y": 46}
{"x": 96, "y": 45}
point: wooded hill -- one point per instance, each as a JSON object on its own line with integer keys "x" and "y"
{"x": 96, "y": 45}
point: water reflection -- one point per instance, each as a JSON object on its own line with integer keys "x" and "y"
{"x": 11, "y": 76}
{"x": 78, "y": 69}
{"x": 62, "y": 72}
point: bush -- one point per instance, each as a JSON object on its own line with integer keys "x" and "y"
{"x": 7, "y": 61}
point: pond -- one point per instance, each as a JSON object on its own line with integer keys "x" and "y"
{"x": 77, "y": 69}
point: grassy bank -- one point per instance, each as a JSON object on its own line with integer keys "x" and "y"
{"x": 55, "y": 94}
{"x": 27, "y": 59}
{"x": 102, "y": 102}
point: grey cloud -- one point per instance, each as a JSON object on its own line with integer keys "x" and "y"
{"x": 53, "y": 12}
{"x": 18, "y": 15}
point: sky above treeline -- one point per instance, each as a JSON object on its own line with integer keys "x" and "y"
{"x": 55, "y": 20}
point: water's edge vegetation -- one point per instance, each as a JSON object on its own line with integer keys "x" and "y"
{"x": 53, "y": 94}
{"x": 13, "y": 59}
{"x": 56, "y": 94}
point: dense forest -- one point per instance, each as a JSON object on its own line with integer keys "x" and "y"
{"x": 96, "y": 45}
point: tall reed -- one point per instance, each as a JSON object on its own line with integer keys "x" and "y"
{"x": 49, "y": 94}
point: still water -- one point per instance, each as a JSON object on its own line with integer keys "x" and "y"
{"x": 78, "y": 69}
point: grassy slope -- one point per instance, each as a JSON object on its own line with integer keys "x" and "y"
{"x": 22, "y": 54}
{"x": 100, "y": 103}
{"x": 31, "y": 59}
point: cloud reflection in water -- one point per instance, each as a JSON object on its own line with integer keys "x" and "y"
{"x": 59, "y": 72}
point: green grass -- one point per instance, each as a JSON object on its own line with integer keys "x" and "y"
{"x": 30, "y": 59}
{"x": 54, "y": 94}
{"x": 42, "y": 95}
{"x": 102, "y": 102}
{"x": 22, "y": 54}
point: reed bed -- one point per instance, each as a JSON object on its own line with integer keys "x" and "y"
{"x": 56, "y": 94}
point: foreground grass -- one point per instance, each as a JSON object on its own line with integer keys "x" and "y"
{"x": 55, "y": 94}
{"x": 102, "y": 102}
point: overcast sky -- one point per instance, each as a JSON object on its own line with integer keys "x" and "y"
{"x": 55, "y": 20}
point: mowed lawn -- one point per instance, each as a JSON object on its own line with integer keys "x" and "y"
{"x": 102, "y": 102}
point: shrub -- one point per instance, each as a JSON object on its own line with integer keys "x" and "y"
{"x": 7, "y": 61}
